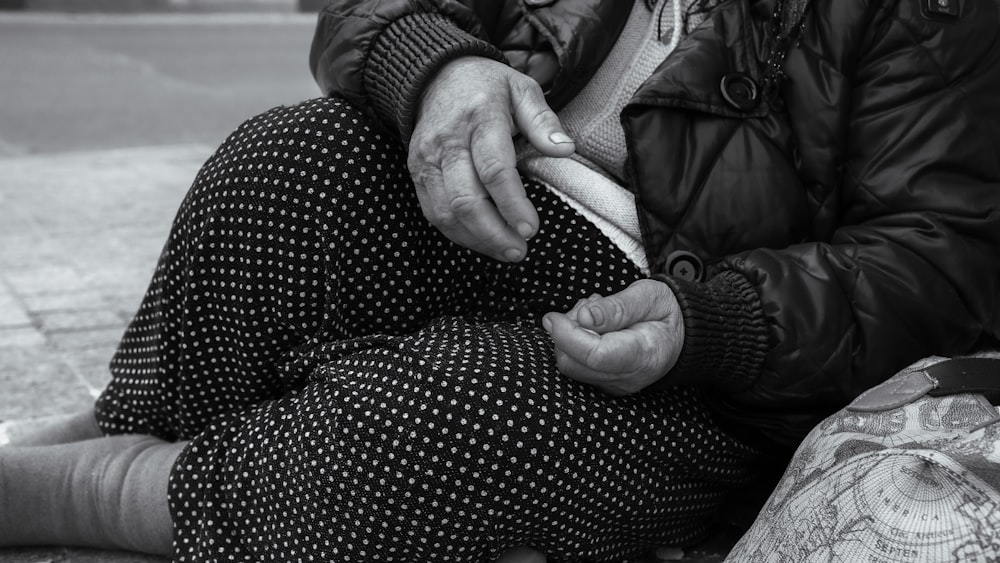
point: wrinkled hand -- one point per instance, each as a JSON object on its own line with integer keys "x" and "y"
{"x": 461, "y": 154}
{"x": 621, "y": 343}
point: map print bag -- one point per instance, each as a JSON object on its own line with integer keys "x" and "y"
{"x": 909, "y": 471}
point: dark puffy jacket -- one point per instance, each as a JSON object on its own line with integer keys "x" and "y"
{"x": 819, "y": 237}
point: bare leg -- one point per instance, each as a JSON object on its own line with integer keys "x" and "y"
{"x": 59, "y": 430}
{"x": 106, "y": 493}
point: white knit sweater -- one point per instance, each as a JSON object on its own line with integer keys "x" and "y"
{"x": 591, "y": 181}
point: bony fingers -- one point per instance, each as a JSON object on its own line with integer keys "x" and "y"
{"x": 489, "y": 233}
{"x": 535, "y": 119}
{"x": 577, "y": 306}
{"x": 496, "y": 166}
{"x": 497, "y": 240}
{"x": 570, "y": 337}
{"x": 605, "y": 314}
{"x": 470, "y": 205}
{"x": 579, "y": 356}
{"x": 645, "y": 300}
{"x": 442, "y": 218}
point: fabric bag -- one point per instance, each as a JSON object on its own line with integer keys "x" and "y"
{"x": 909, "y": 471}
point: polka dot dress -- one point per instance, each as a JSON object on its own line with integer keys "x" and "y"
{"x": 355, "y": 387}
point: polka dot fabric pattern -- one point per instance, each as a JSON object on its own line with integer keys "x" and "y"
{"x": 355, "y": 387}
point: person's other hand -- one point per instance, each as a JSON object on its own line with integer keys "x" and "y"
{"x": 461, "y": 154}
{"x": 621, "y": 343}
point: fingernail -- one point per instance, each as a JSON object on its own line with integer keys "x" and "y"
{"x": 512, "y": 254}
{"x": 597, "y": 315}
{"x": 560, "y": 138}
{"x": 525, "y": 230}
{"x": 547, "y": 323}
{"x": 587, "y": 330}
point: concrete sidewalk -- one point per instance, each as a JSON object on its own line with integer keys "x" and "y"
{"x": 79, "y": 237}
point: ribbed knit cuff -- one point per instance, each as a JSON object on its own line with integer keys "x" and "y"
{"x": 725, "y": 336}
{"x": 406, "y": 55}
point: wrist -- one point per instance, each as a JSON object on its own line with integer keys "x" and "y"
{"x": 407, "y": 55}
{"x": 725, "y": 334}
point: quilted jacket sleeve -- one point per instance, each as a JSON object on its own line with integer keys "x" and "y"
{"x": 913, "y": 265}
{"x": 378, "y": 54}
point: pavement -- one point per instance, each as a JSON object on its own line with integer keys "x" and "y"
{"x": 79, "y": 237}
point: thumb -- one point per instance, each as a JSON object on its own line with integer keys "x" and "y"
{"x": 536, "y": 120}
{"x": 644, "y": 300}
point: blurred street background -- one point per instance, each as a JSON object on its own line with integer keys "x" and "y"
{"x": 104, "y": 120}
{"x": 106, "y": 114}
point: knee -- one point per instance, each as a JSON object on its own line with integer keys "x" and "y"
{"x": 299, "y": 154}
{"x": 307, "y": 133}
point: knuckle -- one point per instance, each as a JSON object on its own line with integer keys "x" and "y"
{"x": 525, "y": 85}
{"x": 491, "y": 240}
{"x": 416, "y": 160}
{"x": 477, "y": 102}
{"x": 435, "y": 146}
{"x": 487, "y": 119}
{"x": 438, "y": 215}
{"x": 422, "y": 177}
{"x": 616, "y": 309}
{"x": 451, "y": 156}
{"x": 464, "y": 205}
{"x": 541, "y": 119}
{"x": 529, "y": 94}
{"x": 443, "y": 218}
{"x": 422, "y": 142}
{"x": 493, "y": 171}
